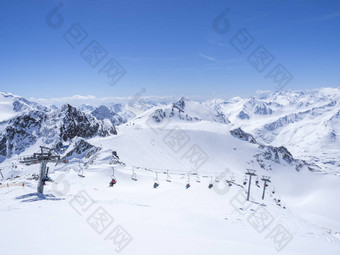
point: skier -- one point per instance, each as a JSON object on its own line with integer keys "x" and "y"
{"x": 187, "y": 186}
{"x": 210, "y": 185}
{"x": 45, "y": 179}
{"x": 155, "y": 185}
{"x": 113, "y": 182}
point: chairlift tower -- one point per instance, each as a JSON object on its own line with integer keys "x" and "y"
{"x": 265, "y": 179}
{"x": 251, "y": 173}
{"x": 43, "y": 157}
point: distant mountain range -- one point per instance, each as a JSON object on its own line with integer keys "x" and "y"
{"x": 298, "y": 125}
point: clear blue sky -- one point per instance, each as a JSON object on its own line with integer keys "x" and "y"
{"x": 168, "y": 47}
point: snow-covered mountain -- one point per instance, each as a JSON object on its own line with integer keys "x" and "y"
{"x": 49, "y": 128}
{"x": 305, "y": 122}
{"x": 186, "y": 109}
{"x": 11, "y": 106}
{"x": 291, "y": 136}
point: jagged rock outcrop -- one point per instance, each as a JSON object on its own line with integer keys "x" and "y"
{"x": 76, "y": 123}
{"x": 279, "y": 155}
{"x": 239, "y": 133}
{"x": 81, "y": 148}
{"x": 50, "y": 128}
{"x": 20, "y": 133}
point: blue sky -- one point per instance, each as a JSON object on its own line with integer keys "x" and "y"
{"x": 168, "y": 47}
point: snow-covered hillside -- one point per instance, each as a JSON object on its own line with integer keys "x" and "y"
{"x": 283, "y": 136}
{"x": 305, "y": 122}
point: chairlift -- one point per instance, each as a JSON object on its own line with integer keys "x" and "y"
{"x": 168, "y": 177}
{"x": 229, "y": 183}
{"x": 273, "y": 191}
{"x": 134, "y": 175}
{"x": 217, "y": 179}
{"x": 81, "y": 171}
{"x": 113, "y": 172}
{"x": 187, "y": 186}
{"x": 46, "y": 178}
{"x": 112, "y": 182}
{"x": 113, "y": 178}
{"x": 257, "y": 182}
{"x": 198, "y": 178}
{"x": 156, "y": 182}
{"x": 210, "y": 183}
{"x": 232, "y": 178}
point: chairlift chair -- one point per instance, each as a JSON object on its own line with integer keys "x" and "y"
{"x": 187, "y": 186}
{"x": 113, "y": 178}
{"x": 217, "y": 179}
{"x": 81, "y": 171}
{"x": 198, "y": 179}
{"x": 211, "y": 185}
{"x": 134, "y": 175}
{"x": 112, "y": 182}
{"x": 168, "y": 177}
{"x": 232, "y": 178}
{"x": 81, "y": 174}
{"x": 229, "y": 183}
{"x": 156, "y": 182}
{"x": 257, "y": 182}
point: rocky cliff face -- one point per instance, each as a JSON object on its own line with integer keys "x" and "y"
{"x": 51, "y": 128}
{"x": 269, "y": 154}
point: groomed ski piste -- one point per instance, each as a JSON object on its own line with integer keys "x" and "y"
{"x": 83, "y": 215}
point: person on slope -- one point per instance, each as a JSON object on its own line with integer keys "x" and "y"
{"x": 112, "y": 182}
